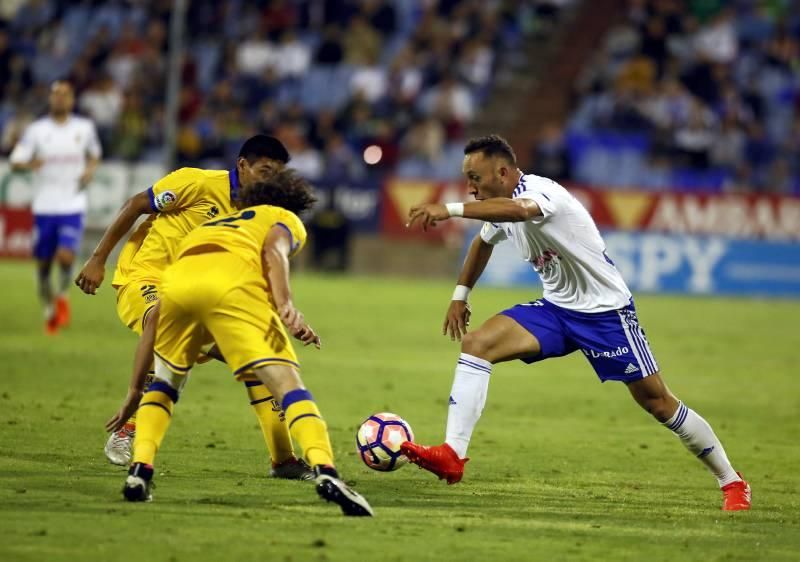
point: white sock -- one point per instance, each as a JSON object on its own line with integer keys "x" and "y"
{"x": 467, "y": 398}
{"x": 699, "y": 438}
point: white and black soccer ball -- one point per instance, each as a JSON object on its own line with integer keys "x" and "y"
{"x": 379, "y": 438}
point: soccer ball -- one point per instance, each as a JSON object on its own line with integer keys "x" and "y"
{"x": 378, "y": 441}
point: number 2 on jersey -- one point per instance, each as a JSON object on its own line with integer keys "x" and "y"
{"x": 228, "y": 221}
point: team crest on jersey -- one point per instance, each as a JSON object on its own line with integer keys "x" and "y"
{"x": 212, "y": 212}
{"x": 165, "y": 200}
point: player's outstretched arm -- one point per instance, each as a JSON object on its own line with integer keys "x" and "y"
{"x": 277, "y": 247}
{"x": 142, "y": 360}
{"x": 497, "y": 209}
{"x": 93, "y": 272}
{"x": 456, "y": 320}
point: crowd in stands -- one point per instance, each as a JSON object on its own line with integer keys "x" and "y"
{"x": 329, "y": 77}
{"x": 692, "y": 94}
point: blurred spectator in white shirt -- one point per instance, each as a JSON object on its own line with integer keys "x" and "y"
{"x": 292, "y": 56}
{"x": 255, "y": 54}
{"x": 718, "y": 42}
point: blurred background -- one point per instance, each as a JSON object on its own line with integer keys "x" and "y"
{"x": 677, "y": 123}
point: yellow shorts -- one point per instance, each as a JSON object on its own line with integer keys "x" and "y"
{"x": 135, "y": 300}
{"x": 221, "y": 295}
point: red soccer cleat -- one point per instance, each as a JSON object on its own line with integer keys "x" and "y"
{"x": 62, "y": 311}
{"x": 442, "y": 460}
{"x": 736, "y": 496}
{"x": 51, "y": 325}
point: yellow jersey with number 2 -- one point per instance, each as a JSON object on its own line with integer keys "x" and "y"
{"x": 243, "y": 233}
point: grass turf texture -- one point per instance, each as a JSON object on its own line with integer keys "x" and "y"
{"x": 563, "y": 468}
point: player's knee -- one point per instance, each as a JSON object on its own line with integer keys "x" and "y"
{"x": 279, "y": 379}
{"x": 64, "y": 257}
{"x": 477, "y": 344}
{"x": 662, "y": 407}
{"x": 165, "y": 388}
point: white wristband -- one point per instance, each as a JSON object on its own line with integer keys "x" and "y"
{"x": 461, "y": 293}
{"x": 455, "y": 209}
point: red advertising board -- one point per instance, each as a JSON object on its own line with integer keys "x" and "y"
{"x": 399, "y": 195}
{"x": 746, "y": 216}
{"x": 742, "y": 216}
{"x": 16, "y": 233}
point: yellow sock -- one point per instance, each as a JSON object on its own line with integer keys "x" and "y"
{"x": 272, "y": 422}
{"x": 155, "y": 414}
{"x": 307, "y": 427}
{"x": 147, "y": 381}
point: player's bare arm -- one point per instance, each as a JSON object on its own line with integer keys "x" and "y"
{"x": 89, "y": 171}
{"x": 93, "y": 272}
{"x": 30, "y": 166}
{"x": 277, "y": 247}
{"x": 456, "y": 320}
{"x": 497, "y": 209}
{"x": 142, "y": 360}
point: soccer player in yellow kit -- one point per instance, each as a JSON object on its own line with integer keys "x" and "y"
{"x": 231, "y": 279}
{"x": 178, "y": 203}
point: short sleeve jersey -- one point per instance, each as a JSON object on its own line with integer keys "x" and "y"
{"x": 63, "y": 148}
{"x": 564, "y": 247}
{"x": 243, "y": 233}
{"x": 180, "y": 201}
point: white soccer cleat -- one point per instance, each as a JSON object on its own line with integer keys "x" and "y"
{"x": 119, "y": 447}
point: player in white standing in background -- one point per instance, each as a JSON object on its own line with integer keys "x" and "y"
{"x": 63, "y": 151}
{"x": 586, "y": 306}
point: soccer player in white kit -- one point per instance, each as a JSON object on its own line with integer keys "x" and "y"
{"x": 586, "y": 306}
{"x": 62, "y": 150}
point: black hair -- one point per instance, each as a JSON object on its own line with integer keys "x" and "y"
{"x": 491, "y": 145}
{"x": 284, "y": 189}
{"x": 261, "y": 146}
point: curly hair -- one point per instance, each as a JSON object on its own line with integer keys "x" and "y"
{"x": 491, "y": 145}
{"x": 285, "y": 189}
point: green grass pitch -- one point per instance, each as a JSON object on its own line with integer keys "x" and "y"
{"x": 563, "y": 468}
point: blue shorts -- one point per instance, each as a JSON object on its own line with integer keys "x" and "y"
{"x": 51, "y": 232}
{"x": 613, "y": 341}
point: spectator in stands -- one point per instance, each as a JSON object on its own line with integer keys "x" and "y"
{"x": 381, "y": 15}
{"x": 256, "y": 54}
{"x": 550, "y": 155}
{"x": 424, "y": 140}
{"x": 451, "y": 101}
{"x": 693, "y": 141}
{"x": 292, "y": 56}
{"x": 717, "y": 42}
{"x": 102, "y": 101}
{"x": 727, "y": 150}
{"x": 251, "y": 69}
{"x": 362, "y": 43}
{"x": 130, "y": 133}
{"x": 340, "y": 161}
{"x": 305, "y": 159}
{"x": 330, "y": 51}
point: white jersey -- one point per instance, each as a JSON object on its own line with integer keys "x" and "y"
{"x": 564, "y": 247}
{"x": 63, "y": 149}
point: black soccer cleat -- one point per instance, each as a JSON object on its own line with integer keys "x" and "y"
{"x": 139, "y": 483}
{"x": 292, "y": 469}
{"x": 331, "y": 489}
